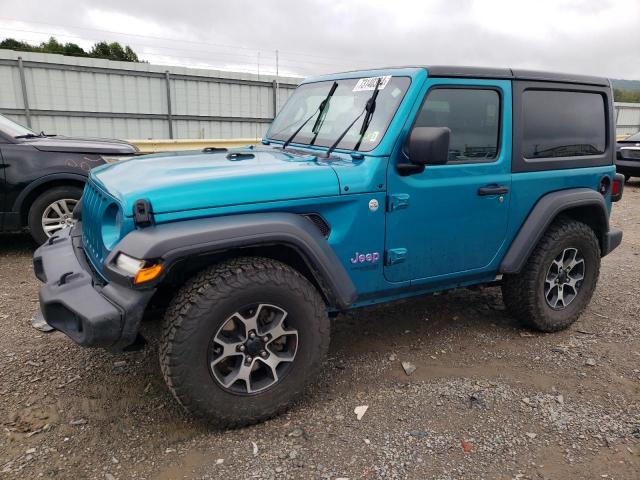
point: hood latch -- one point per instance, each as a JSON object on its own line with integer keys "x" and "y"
{"x": 142, "y": 213}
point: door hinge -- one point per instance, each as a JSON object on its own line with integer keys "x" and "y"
{"x": 394, "y": 256}
{"x": 397, "y": 201}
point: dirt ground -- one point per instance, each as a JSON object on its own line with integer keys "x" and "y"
{"x": 488, "y": 398}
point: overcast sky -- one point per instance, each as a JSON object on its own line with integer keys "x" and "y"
{"x": 600, "y": 37}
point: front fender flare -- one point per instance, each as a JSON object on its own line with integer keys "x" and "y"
{"x": 541, "y": 216}
{"x": 172, "y": 242}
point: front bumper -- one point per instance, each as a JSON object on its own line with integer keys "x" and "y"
{"x": 629, "y": 167}
{"x": 74, "y": 300}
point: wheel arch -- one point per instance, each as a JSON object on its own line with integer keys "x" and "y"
{"x": 581, "y": 204}
{"x": 38, "y": 187}
{"x": 188, "y": 246}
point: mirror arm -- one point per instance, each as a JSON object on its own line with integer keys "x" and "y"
{"x": 406, "y": 169}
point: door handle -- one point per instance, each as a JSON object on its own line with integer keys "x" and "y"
{"x": 493, "y": 190}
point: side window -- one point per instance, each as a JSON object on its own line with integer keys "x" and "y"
{"x": 472, "y": 114}
{"x": 562, "y": 124}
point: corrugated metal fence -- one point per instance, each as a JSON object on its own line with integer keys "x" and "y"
{"x": 101, "y": 98}
{"x": 627, "y": 118}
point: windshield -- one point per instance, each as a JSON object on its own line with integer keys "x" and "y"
{"x": 13, "y": 129}
{"x": 345, "y": 105}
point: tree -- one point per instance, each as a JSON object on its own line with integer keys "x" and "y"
{"x": 12, "y": 44}
{"x": 52, "y": 46}
{"x": 110, "y": 51}
{"x": 130, "y": 55}
{"x": 631, "y": 96}
{"x": 100, "y": 50}
{"x": 116, "y": 51}
{"x": 74, "y": 50}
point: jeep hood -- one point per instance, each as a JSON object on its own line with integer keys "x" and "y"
{"x": 192, "y": 180}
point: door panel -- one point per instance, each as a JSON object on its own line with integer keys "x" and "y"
{"x": 456, "y": 218}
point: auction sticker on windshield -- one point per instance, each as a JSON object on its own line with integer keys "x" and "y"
{"x": 369, "y": 83}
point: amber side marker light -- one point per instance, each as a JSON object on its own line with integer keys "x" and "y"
{"x": 147, "y": 274}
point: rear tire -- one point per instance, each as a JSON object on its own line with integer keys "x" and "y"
{"x": 52, "y": 210}
{"x": 558, "y": 280}
{"x": 207, "y": 356}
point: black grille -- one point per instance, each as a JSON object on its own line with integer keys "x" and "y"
{"x": 319, "y": 222}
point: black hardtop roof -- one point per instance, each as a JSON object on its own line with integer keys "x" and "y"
{"x": 450, "y": 71}
{"x": 514, "y": 74}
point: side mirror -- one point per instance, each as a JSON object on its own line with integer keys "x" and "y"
{"x": 429, "y": 145}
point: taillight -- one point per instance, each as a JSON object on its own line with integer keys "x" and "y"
{"x": 617, "y": 186}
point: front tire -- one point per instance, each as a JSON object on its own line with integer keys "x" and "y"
{"x": 51, "y": 211}
{"x": 558, "y": 281}
{"x": 242, "y": 339}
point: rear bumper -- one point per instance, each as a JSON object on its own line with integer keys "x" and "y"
{"x": 611, "y": 240}
{"x": 74, "y": 301}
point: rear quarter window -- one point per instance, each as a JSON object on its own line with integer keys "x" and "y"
{"x": 558, "y": 125}
{"x": 563, "y": 124}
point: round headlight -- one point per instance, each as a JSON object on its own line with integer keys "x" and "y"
{"x": 111, "y": 224}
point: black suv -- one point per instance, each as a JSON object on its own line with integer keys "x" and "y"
{"x": 42, "y": 176}
{"x": 628, "y": 156}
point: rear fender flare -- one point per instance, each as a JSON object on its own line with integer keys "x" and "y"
{"x": 543, "y": 213}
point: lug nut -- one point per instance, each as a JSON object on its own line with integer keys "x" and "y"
{"x": 263, "y": 354}
{"x": 265, "y": 339}
{"x": 241, "y": 348}
{"x": 249, "y": 359}
{"x": 252, "y": 335}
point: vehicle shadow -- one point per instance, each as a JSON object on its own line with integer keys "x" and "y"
{"x": 16, "y": 243}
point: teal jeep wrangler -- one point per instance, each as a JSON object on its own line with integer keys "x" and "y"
{"x": 369, "y": 186}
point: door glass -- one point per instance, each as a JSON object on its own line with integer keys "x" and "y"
{"x": 473, "y": 115}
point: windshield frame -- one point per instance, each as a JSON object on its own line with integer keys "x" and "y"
{"x": 405, "y": 89}
{"x": 20, "y": 130}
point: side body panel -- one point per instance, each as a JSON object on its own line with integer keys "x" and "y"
{"x": 532, "y": 179}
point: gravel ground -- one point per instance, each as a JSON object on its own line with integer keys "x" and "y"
{"x": 487, "y": 399}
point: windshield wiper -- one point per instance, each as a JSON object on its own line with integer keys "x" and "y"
{"x": 369, "y": 108}
{"x": 320, "y": 109}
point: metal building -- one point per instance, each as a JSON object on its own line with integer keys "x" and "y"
{"x": 627, "y": 118}
{"x": 102, "y": 98}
